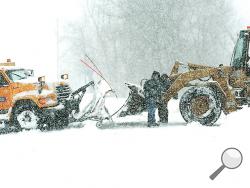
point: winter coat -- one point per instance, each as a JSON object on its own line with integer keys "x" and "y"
{"x": 165, "y": 84}
{"x": 152, "y": 89}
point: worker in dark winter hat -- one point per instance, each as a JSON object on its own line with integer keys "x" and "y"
{"x": 152, "y": 92}
{"x": 162, "y": 106}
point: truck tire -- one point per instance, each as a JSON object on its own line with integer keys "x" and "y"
{"x": 26, "y": 116}
{"x": 200, "y": 104}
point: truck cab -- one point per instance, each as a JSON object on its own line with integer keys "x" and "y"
{"x": 240, "y": 77}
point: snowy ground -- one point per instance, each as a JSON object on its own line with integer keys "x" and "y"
{"x": 127, "y": 155}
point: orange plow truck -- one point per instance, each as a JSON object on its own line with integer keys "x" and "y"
{"x": 28, "y": 103}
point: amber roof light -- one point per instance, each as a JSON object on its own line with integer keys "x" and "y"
{"x": 8, "y": 63}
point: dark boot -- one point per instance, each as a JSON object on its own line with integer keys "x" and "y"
{"x": 150, "y": 124}
{"x": 156, "y": 124}
{"x": 163, "y": 120}
{"x": 153, "y": 124}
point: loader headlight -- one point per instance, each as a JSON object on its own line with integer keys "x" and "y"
{"x": 64, "y": 76}
{"x": 41, "y": 79}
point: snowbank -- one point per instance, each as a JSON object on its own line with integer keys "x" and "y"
{"x": 128, "y": 155}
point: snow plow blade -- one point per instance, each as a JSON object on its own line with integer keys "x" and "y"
{"x": 135, "y": 103}
{"x": 95, "y": 110}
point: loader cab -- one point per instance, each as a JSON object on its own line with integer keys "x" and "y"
{"x": 240, "y": 58}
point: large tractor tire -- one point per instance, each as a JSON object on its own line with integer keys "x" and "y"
{"x": 200, "y": 104}
{"x": 26, "y": 115}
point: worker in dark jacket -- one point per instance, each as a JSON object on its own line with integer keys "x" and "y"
{"x": 162, "y": 106}
{"x": 152, "y": 92}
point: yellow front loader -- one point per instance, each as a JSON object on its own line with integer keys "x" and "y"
{"x": 210, "y": 90}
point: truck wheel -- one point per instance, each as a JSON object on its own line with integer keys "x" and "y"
{"x": 200, "y": 104}
{"x": 26, "y": 116}
{"x": 99, "y": 124}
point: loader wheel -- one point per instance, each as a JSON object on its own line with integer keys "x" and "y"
{"x": 26, "y": 116}
{"x": 200, "y": 104}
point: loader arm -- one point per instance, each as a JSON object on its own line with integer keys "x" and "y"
{"x": 190, "y": 66}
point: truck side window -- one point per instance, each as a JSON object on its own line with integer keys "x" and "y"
{"x": 3, "y": 82}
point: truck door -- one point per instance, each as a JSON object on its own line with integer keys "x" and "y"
{"x": 5, "y": 93}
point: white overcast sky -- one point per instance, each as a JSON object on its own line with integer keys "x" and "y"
{"x": 28, "y": 29}
{"x": 243, "y": 9}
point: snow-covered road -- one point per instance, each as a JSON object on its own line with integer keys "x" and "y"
{"x": 127, "y": 154}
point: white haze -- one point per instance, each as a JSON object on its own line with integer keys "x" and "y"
{"x": 28, "y": 32}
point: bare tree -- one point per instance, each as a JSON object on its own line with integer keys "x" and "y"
{"x": 129, "y": 39}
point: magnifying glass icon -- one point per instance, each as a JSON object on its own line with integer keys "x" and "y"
{"x": 231, "y": 158}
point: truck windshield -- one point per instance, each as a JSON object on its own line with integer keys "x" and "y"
{"x": 17, "y": 74}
